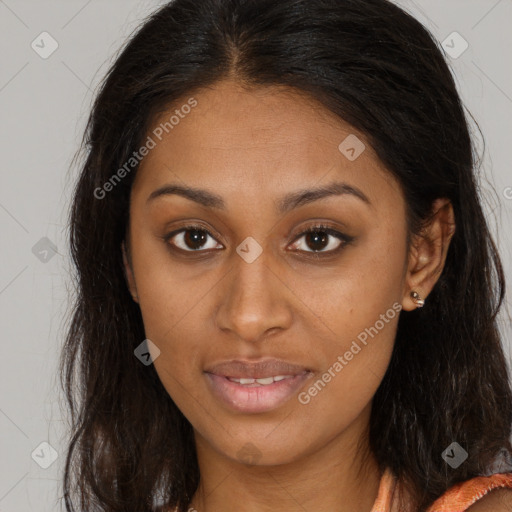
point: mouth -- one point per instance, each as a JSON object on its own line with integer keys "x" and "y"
{"x": 255, "y": 395}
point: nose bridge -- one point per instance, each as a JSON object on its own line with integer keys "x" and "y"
{"x": 252, "y": 269}
{"x": 253, "y": 300}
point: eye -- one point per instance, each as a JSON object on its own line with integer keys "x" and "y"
{"x": 321, "y": 237}
{"x": 192, "y": 239}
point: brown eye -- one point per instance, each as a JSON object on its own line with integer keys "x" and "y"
{"x": 192, "y": 239}
{"x": 321, "y": 239}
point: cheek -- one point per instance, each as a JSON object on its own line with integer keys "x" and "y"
{"x": 174, "y": 303}
{"x": 357, "y": 311}
{"x": 355, "y": 349}
{"x": 167, "y": 291}
{"x": 350, "y": 296}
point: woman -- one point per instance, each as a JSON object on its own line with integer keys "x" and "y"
{"x": 287, "y": 290}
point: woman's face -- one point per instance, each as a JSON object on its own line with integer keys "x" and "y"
{"x": 246, "y": 284}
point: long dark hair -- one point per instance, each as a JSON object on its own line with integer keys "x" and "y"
{"x": 377, "y": 68}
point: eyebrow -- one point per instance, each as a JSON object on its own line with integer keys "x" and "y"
{"x": 285, "y": 204}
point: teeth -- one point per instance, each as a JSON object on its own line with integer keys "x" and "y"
{"x": 263, "y": 382}
{"x": 266, "y": 381}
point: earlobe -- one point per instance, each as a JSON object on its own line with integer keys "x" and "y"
{"x": 128, "y": 273}
{"x": 427, "y": 255}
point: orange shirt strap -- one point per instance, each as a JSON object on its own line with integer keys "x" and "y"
{"x": 461, "y": 496}
{"x": 456, "y": 499}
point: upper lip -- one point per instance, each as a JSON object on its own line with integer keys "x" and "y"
{"x": 239, "y": 369}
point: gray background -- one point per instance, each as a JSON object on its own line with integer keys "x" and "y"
{"x": 44, "y": 104}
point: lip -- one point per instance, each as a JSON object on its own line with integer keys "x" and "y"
{"x": 261, "y": 369}
{"x": 250, "y": 398}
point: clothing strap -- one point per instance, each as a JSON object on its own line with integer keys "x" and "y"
{"x": 457, "y": 498}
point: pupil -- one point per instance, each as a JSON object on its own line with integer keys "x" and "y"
{"x": 316, "y": 237}
{"x": 195, "y": 237}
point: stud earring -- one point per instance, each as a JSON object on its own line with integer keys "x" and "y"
{"x": 417, "y": 299}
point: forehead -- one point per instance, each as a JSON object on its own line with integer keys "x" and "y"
{"x": 255, "y": 140}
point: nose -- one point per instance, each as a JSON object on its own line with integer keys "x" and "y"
{"x": 254, "y": 299}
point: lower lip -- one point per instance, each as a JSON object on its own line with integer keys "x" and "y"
{"x": 255, "y": 399}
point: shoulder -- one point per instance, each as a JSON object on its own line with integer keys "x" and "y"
{"x": 497, "y": 500}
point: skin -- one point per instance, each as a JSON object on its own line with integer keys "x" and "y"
{"x": 498, "y": 500}
{"x": 251, "y": 147}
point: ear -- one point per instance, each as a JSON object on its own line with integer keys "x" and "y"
{"x": 427, "y": 254}
{"x": 128, "y": 273}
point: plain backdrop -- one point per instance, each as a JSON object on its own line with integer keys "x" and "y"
{"x": 44, "y": 103}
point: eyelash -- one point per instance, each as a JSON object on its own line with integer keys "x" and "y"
{"x": 344, "y": 239}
